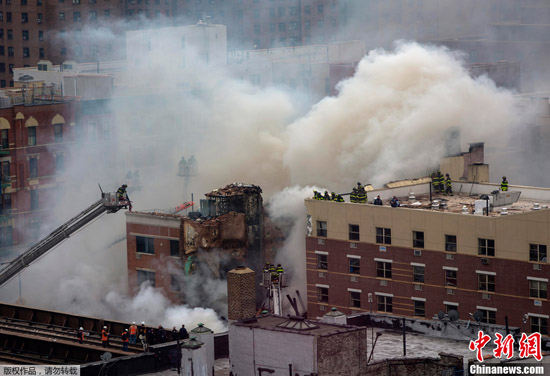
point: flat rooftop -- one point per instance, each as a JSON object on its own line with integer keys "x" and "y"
{"x": 297, "y": 326}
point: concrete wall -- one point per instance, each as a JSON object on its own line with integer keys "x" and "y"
{"x": 251, "y": 348}
{"x": 447, "y": 365}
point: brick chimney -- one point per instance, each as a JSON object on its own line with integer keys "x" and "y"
{"x": 241, "y": 293}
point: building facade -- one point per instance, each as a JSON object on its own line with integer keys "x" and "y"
{"x": 416, "y": 262}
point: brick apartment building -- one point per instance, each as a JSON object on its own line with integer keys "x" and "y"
{"x": 415, "y": 260}
{"x": 36, "y": 141}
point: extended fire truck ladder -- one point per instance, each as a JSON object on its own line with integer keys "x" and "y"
{"x": 108, "y": 203}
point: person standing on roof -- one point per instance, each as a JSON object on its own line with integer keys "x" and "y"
{"x": 183, "y": 332}
{"x": 143, "y": 335}
{"x": 353, "y": 195}
{"x": 124, "y": 338}
{"x": 104, "y": 337}
{"x": 133, "y": 332}
{"x": 448, "y": 185}
{"x": 378, "y": 201}
{"x": 504, "y": 184}
{"x": 395, "y": 202}
{"x": 327, "y": 196}
{"x": 80, "y": 335}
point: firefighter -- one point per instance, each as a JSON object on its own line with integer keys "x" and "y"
{"x": 133, "y": 332}
{"x": 339, "y": 198}
{"x": 435, "y": 182}
{"x": 441, "y": 182}
{"x": 124, "y": 338}
{"x": 333, "y": 196}
{"x": 353, "y": 195}
{"x": 143, "y": 335}
{"x": 104, "y": 337}
{"x": 361, "y": 195}
{"x": 121, "y": 193}
{"x": 448, "y": 185}
{"x": 280, "y": 269}
{"x": 327, "y": 196}
{"x": 504, "y": 184}
{"x": 80, "y": 335}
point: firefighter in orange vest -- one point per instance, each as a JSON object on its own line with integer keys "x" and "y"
{"x": 80, "y": 335}
{"x": 133, "y": 332}
{"x": 104, "y": 337}
{"x": 124, "y": 338}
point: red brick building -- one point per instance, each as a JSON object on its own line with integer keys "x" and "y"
{"x": 414, "y": 261}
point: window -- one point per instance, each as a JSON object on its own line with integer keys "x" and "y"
{"x": 355, "y": 299}
{"x": 6, "y": 239}
{"x": 293, "y": 11}
{"x": 145, "y": 276}
{"x": 450, "y": 278}
{"x": 383, "y": 235}
{"x": 6, "y": 171}
{"x": 486, "y": 247}
{"x": 76, "y": 16}
{"x": 419, "y": 308}
{"x": 76, "y": 1}
{"x": 292, "y": 25}
{"x": 10, "y": 34}
{"x": 61, "y": 16}
{"x": 31, "y": 134}
{"x": 59, "y": 163}
{"x": 107, "y": 13}
{"x": 281, "y": 12}
{"x": 322, "y": 229}
{"x": 92, "y": 15}
{"x": 384, "y": 303}
{"x": 383, "y": 269}
{"x": 1, "y": 33}
{"x": 537, "y": 289}
{"x": 10, "y": 52}
{"x": 40, "y": 35}
{"x": 10, "y": 66}
{"x": 8, "y": 16}
{"x": 174, "y": 283}
{"x": 5, "y": 202}
{"x": 26, "y": 52}
{"x": 92, "y": 1}
{"x": 25, "y": 35}
{"x": 486, "y": 282}
{"x": 34, "y": 199}
{"x": 272, "y": 27}
{"x": 175, "y": 248}
{"x": 63, "y": 51}
{"x": 307, "y": 25}
{"x": 24, "y": 17}
{"x": 145, "y": 245}
{"x": 41, "y": 52}
{"x": 23, "y": 2}
{"x": 320, "y": 23}
{"x": 39, "y": 3}
{"x": 282, "y": 26}
{"x": 39, "y": 18}
{"x": 4, "y": 139}
{"x": 539, "y": 324}
{"x": 322, "y": 261}
{"x": 450, "y": 307}
{"x": 322, "y": 294}
{"x": 418, "y": 239}
{"x": 307, "y": 9}
{"x": 537, "y": 252}
{"x": 489, "y": 316}
{"x": 450, "y": 243}
{"x": 320, "y": 8}
{"x": 418, "y": 273}
{"x": 353, "y": 232}
{"x": 1, "y": 16}
{"x": 33, "y": 167}
{"x": 2, "y": 82}
{"x": 2, "y": 65}
{"x": 354, "y": 265}
{"x": 271, "y": 12}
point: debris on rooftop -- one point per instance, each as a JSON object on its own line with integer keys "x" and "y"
{"x": 407, "y": 182}
{"x": 235, "y": 189}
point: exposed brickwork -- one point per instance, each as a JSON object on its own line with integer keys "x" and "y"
{"x": 343, "y": 354}
{"x": 241, "y": 294}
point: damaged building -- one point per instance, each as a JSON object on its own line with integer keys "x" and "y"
{"x": 163, "y": 248}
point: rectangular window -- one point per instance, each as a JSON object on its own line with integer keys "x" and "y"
{"x": 61, "y": 16}
{"x": 418, "y": 239}
{"x": 33, "y": 167}
{"x": 10, "y": 34}
{"x": 292, "y": 25}
{"x": 320, "y": 23}
{"x": 485, "y": 247}
{"x": 353, "y": 232}
{"x": 59, "y": 163}
{"x": 24, "y": 17}
{"x": 281, "y": 12}
{"x": 31, "y": 135}
{"x": 40, "y": 35}
{"x": 322, "y": 261}
{"x": 272, "y": 27}
{"x": 8, "y": 16}
{"x": 450, "y": 243}
{"x": 538, "y": 289}
{"x": 92, "y": 15}
{"x": 322, "y": 229}
{"x": 383, "y": 235}
{"x": 418, "y": 274}
{"x": 1, "y": 16}
{"x": 4, "y": 138}
{"x": 174, "y": 283}
{"x": 539, "y": 324}
{"x": 384, "y": 303}
{"x": 282, "y": 26}
{"x": 320, "y": 8}
{"x": 322, "y": 294}
{"x": 11, "y": 52}
{"x": 307, "y": 25}
{"x": 26, "y": 52}
{"x": 537, "y": 252}
{"x": 175, "y": 248}
{"x": 489, "y": 316}
{"x": 354, "y": 265}
{"x": 41, "y": 52}
{"x": 76, "y": 16}
{"x": 6, "y": 239}
{"x": 34, "y": 199}
{"x": 486, "y": 282}
{"x": 450, "y": 278}
{"x": 419, "y": 308}
{"x": 5, "y": 202}
{"x": 25, "y": 35}
{"x": 58, "y": 132}
{"x": 145, "y": 245}
{"x": 383, "y": 269}
{"x": 145, "y": 276}
{"x": 307, "y": 9}
{"x": 355, "y": 299}
{"x": 107, "y": 13}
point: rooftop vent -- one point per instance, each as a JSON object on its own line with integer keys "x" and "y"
{"x": 464, "y": 209}
{"x": 504, "y": 211}
{"x": 536, "y": 206}
{"x": 435, "y": 204}
{"x": 297, "y": 323}
{"x": 412, "y": 197}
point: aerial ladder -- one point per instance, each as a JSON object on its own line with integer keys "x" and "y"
{"x": 109, "y": 203}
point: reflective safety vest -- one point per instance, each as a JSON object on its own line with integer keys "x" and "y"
{"x": 448, "y": 183}
{"x": 280, "y": 270}
{"x": 504, "y": 185}
{"x": 125, "y": 337}
{"x": 133, "y": 330}
{"x": 104, "y": 335}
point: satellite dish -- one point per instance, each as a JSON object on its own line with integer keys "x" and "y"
{"x": 441, "y": 315}
{"x": 106, "y": 356}
{"x": 478, "y": 315}
{"x": 453, "y": 314}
